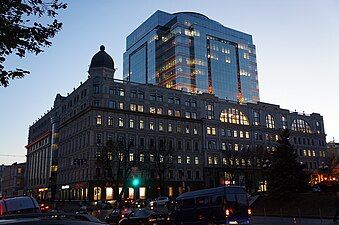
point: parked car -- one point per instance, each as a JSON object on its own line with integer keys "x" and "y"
{"x": 162, "y": 200}
{"x": 117, "y": 214}
{"x": 19, "y": 205}
{"x": 145, "y": 217}
{"x": 49, "y": 218}
{"x": 45, "y": 207}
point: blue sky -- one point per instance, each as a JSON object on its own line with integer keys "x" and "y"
{"x": 297, "y": 52}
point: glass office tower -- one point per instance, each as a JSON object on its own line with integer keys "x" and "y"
{"x": 188, "y": 51}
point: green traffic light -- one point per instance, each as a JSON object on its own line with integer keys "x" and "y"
{"x": 135, "y": 182}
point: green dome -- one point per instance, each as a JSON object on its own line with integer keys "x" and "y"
{"x": 102, "y": 59}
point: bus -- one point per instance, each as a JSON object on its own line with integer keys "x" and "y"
{"x": 221, "y": 205}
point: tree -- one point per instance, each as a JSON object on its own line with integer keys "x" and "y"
{"x": 161, "y": 160}
{"x": 23, "y": 28}
{"x": 285, "y": 174}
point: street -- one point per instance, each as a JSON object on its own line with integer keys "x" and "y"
{"x": 261, "y": 220}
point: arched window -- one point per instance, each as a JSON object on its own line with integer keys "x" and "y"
{"x": 233, "y": 116}
{"x": 301, "y": 126}
{"x": 269, "y": 121}
{"x": 284, "y": 122}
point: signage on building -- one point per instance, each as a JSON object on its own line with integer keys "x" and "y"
{"x": 65, "y": 187}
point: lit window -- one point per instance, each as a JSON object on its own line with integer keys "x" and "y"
{"x": 177, "y": 113}
{"x": 121, "y": 105}
{"x": 301, "y": 126}
{"x": 179, "y": 159}
{"x": 213, "y": 131}
{"x": 187, "y": 129}
{"x": 131, "y": 123}
{"x": 121, "y": 92}
{"x": 195, "y": 130}
{"x": 194, "y": 115}
{"x": 210, "y": 161}
{"x": 223, "y": 146}
{"x": 133, "y": 107}
{"x": 235, "y": 133}
{"x": 99, "y": 120}
{"x": 209, "y": 131}
{"x": 269, "y": 121}
{"x": 140, "y": 108}
{"x": 151, "y": 125}
{"x": 131, "y": 157}
{"x": 284, "y": 122}
{"x": 159, "y": 111}
{"x": 121, "y": 122}
{"x": 170, "y": 112}
{"x": 234, "y": 116}
{"x": 241, "y": 134}
{"x": 256, "y": 118}
{"x": 152, "y": 109}
{"x": 236, "y": 147}
{"x": 151, "y": 158}
{"x": 141, "y": 125}
{"x": 188, "y": 160}
{"x": 216, "y": 160}
{"x": 161, "y": 127}
{"x": 110, "y": 121}
{"x": 196, "y": 160}
{"x": 142, "y": 158}
{"x": 170, "y": 128}
{"x": 187, "y": 114}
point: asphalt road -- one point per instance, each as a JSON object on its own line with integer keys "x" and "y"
{"x": 260, "y": 220}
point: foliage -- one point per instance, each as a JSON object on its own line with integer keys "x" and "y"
{"x": 23, "y": 29}
{"x": 285, "y": 174}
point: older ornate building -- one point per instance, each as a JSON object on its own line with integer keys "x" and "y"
{"x": 107, "y": 130}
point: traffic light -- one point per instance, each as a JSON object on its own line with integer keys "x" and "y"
{"x": 136, "y": 182}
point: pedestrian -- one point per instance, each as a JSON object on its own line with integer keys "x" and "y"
{"x": 336, "y": 204}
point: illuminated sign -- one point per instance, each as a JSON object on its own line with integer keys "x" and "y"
{"x": 65, "y": 187}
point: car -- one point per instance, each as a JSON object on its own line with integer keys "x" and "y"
{"x": 49, "y": 218}
{"x": 45, "y": 207}
{"x": 117, "y": 214}
{"x": 19, "y": 205}
{"x": 162, "y": 200}
{"x": 145, "y": 217}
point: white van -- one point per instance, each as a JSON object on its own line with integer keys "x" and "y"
{"x": 17, "y": 205}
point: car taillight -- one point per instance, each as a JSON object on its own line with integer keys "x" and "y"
{"x": 249, "y": 211}
{"x": 227, "y": 212}
{"x": 152, "y": 219}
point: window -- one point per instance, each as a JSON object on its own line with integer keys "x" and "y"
{"x": 197, "y": 174}
{"x": 151, "y": 158}
{"x": 216, "y": 160}
{"x": 140, "y": 108}
{"x": 142, "y": 158}
{"x": 177, "y": 113}
{"x": 188, "y": 115}
{"x": 121, "y": 122}
{"x": 284, "y": 122}
{"x": 234, "y": 116}
{"x": 133, "y": 94}
{"x": 187, "y": 103}
{"x": 194, "y": 115}
{"x": 247, "y": 135}
{"x": 141, "y": 95}
{"x": 177, "y": 101}
{"x": 210, "y": 111}
{"x": 161, "y": 127}
{"x": 223, "y": 146}
{"x": 99, "y": 139}
{"x": 131, "y": 123}
{"x": 133, "y": 107}
{"x": 178, "y": 128}
{"x": 210, "y": 161}
{"x": 179, "y": 159}
{"x": 301, "y": 126}
{"x": 111, "y": 104}
{"x": 96, "y": 89}
{"x": 96, "y": 103}
{"x": 151, "y": 125}
{"x": 131, "y": 157}
{"x": 110, "y": 121}
{"x": 236, "y": 147}
{"x": 235, "y": 133}
{"x": 152, "y": 97}
{"x": 187, "y": 129}
{"x": 121, "y": 92}
{"x": 188, "y": 160}
{"x": 141, "y": 125}
{"x": 121, "y": 105}
{"x": 152, "y": 109}
{"x": 269, "y": 121}
{"x": 170, "y": 112}
{"x": 159, "y": 98}
{"x": 194, "y": 104}
{"x": 99, "y": 120}
{"x": 241, "y": 134}
{"x": 195, "y": 130}
{"x": 170, "y": 129}
{"x": 159, "y": 111}
{"x": 171, "y": 100}
{"x": 256, "y": 118}
{"x": 196, "y": 160}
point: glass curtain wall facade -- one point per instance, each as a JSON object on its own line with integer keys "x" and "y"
{"x": 188, "y": 51}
